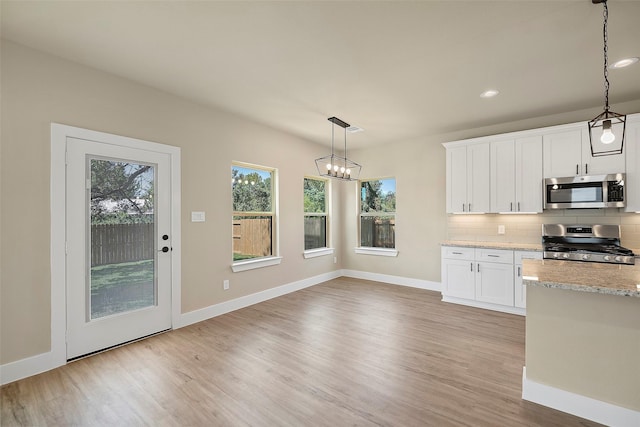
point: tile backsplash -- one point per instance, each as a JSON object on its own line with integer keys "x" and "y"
{"x": 526, "y": 228}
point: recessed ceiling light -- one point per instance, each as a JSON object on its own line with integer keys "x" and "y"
{"x": 489, "y": 93}
{"x": 624, "y": 62}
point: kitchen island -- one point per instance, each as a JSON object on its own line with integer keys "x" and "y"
{"x": 583, "y": 339}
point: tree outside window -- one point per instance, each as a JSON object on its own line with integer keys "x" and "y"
{"x": 315, "y": 213}
{"x": 253, "y": 211}
{"x": 378, "y": 213}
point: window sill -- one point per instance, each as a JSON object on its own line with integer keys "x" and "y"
{"x": 255, "y": 263}
{"x": 313, "y": 253}
{"x": 377, "y": 251}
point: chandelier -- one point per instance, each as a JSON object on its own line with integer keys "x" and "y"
{"x": 334, "y": 166}
{"x": 602, "y": 127}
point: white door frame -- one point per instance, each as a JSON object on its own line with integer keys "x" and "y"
{"x": 59, "y": 134}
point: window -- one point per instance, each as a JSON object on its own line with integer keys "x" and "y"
{"x": 253, "y": 211}
{"x": 315, "y": 213}
{"x": 378, "y": 213}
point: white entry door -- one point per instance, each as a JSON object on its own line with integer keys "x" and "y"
{"x": 118, "y": 222}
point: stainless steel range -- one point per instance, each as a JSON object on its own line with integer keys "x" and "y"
{"x": 591, "y": 243}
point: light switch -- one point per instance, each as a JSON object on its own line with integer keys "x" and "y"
{"x": 501, "y": 229}
{"x": 197, "y": 216}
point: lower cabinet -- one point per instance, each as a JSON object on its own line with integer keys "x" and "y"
{"x": 486, "y": 278}
{"x": 520, "y": 291}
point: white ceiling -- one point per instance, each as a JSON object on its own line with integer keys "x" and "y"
{"x": 400, "y": 70}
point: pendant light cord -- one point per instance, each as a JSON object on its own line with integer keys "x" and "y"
{"x": 606, "y": 61}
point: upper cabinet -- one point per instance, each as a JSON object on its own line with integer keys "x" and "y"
{"x": 516, "y": 175}
{"x": 568, "y": 153}
{"x": 468, "y": 173}
{"x": 631, "y": 145}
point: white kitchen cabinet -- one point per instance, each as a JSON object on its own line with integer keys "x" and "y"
{"x": 632, "y": 146}
{"x": 494, "y": 276}
{"x": 516, "y": 175}
{"x": 468, "y": 178}
{"x": 568, "y": 153}
{"x": 479, "y": 277}
{"x": 520, "y": 291}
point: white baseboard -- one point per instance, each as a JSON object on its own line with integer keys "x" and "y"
{"x": 27, "y": 367}
{"x": 394, "y": 280}
{"x": 486, "y": 305}
{"x": 228, "y": 306}
{"x": 575, "y": 404}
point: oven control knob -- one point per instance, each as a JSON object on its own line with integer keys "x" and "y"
{"x": 555, "y": 255}
{"x": 586, "y": 257}
{"x": 565, "y": 255}
{"x": 607, "y": 258}
{"x": 618, "y": 259}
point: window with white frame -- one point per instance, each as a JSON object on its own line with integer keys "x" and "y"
{"x": 315, "y": 213}
{"x": 378, "y": 213}
{"x": 253, "y": 211}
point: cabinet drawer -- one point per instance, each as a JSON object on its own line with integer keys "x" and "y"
{"x": 454, "y": 252}
{"x": 494, "y": 255}
{"x": 520, "y": 255}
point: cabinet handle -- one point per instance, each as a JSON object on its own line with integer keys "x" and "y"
{"x": 518, "y": 206}
{"x": 469, "y": 207}
{"x": 463, "y": 208}
{"x": 457, "y": 253}
{"x": 471, "y": 266}
{"x": 478, "y": 267}
{"x": 577, "y": 169}
{"x": 493, "y": 256}
{"x": 511, "y": 207}
{"x": 518, "y": 271}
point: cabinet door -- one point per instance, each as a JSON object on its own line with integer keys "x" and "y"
{"x": 602, "y": 164}
{"x": 457, "y": 179}
{"x": 562, "y": 154}
{"x": 528, "y": 174}
{"x": 503, "y": 186}
{"x": 632, "y": 188}
{"x": 479, "y": 177}
{"x": 494, "y": 283}
{"x": 457, "y": 278}
{"x": 520, "y": 290}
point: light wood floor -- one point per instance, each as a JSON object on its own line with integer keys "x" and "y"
{"x": 346, "y": 352}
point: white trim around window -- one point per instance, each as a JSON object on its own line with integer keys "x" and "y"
{"x": 252, "y": 264}
{"x": 314, "y": 253}
{"x": 376, "y": 251}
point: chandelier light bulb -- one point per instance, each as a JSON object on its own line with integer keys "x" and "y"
{"x": 336, "y": 167}
{"x": 607, "y": 136}
{"x": 329, "y": 166}
{"x": 342, "y": 169}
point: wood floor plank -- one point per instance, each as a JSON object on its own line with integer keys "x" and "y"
{"x": 345, "y": 352}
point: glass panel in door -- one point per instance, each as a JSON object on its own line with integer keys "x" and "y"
{"x": 122, "y": 271}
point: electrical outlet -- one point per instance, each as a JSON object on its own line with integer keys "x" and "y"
{"x": 225, "y": 285}
{"x": 335, "y": 259}
{"x": 501, "y": 229}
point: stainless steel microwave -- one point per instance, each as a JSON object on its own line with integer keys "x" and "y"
{"x": 585, "y": 192}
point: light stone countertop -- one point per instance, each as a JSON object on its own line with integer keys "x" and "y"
{"x": 610, "y": 279}
{"x": 494, "y": 245}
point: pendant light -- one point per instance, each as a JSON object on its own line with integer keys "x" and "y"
{"x": 338, "y": 167}
{"x": 607, "y": 126}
